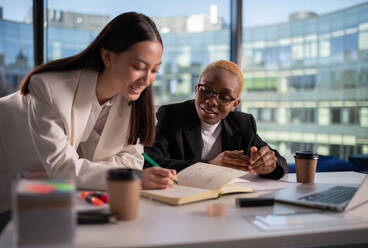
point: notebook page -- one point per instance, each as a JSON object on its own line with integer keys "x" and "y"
{"x": 176, "y": 191}
{"x": 207, "y": 176}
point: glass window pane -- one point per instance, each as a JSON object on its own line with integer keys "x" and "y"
{"x": 16, "y": 43}
{"x": 315, "y": 53}
{"x": 194, "y": 34}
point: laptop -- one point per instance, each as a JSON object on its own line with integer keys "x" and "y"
{"x": 325, "y": 196}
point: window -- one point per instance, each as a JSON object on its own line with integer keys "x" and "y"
{"x": 194, "y": 34}
{"x": 336, "y": 115}
{"x": 302, "y": 115}
{"x": 316, "y": 53}
{"x": 363, "y": 43}
{"x": 16, "y": 43}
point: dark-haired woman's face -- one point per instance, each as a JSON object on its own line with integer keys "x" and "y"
{"x": 132, "y": 71}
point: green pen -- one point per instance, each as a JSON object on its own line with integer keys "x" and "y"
{"x": 153, "y": 162}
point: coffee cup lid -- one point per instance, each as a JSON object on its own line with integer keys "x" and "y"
{"x": 123, "y": 174}
{"x": 306, "y": 155}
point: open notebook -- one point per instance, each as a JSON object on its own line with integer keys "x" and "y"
{"x": 198, "y": 182}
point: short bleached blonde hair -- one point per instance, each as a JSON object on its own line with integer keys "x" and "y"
{"x": 226, "y": 65}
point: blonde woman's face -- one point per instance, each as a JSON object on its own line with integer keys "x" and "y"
{"x": 222, "y": 82}
{"x": 132, "y": 71}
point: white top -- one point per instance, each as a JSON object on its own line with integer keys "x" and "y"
{"x": 211, "y": 140}
{"x": 95, "y": 124}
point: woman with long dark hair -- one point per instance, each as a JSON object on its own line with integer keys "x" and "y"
{"x": 82, "y": 115}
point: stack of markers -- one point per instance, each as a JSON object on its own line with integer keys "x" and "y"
{"x": 44, "y": 213}
{"x": 95, "y": 198}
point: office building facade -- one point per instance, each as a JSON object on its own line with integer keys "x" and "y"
{"x": 307, "y": 82}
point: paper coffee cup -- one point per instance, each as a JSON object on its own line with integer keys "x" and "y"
{"x": 123, "y": 187}
{"x": 305, "y": 166}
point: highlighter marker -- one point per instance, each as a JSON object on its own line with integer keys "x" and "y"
{"x": 85, "y": 193}
{"x": 103, "y": 197}
{"x": 92, "y": 199}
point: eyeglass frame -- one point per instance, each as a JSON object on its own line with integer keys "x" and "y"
{"x": 213, "y": 93}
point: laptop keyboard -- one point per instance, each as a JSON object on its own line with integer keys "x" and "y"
{"x": 334, "y": 195}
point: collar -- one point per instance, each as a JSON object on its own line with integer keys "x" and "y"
{"x": 209, "y": 128}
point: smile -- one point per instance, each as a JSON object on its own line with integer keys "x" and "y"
{"x": 208, "y": 112}
{"x": 136, "y": 90}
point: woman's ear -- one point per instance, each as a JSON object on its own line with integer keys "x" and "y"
{"x": 236, "y": 103}
{"x": 105, "y": 56}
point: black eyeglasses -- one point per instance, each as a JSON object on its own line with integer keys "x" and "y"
{"x": 206, "y": 92}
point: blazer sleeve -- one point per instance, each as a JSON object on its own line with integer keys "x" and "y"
{"x": 281, "y": 164}
{"x": 59, "y": 158}
{"x": 165, "y": 136}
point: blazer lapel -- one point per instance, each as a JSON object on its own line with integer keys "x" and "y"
{"x": 192, "y": 135}
{"x": 192, "y": 132}
{"x": 81, "y": 109}
{"x": 230, "y": 139}
{"x": 115, "y": 132}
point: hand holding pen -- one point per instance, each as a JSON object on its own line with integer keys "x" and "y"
{"x": 157, "y": 177}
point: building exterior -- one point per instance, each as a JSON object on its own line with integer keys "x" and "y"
{"x": 306, "y": 80}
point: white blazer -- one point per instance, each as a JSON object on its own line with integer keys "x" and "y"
{"x": 42, "y": 131}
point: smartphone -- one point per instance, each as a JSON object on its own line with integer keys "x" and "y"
{"x": 93, "y": 217}
{"x": 254, "y": 202}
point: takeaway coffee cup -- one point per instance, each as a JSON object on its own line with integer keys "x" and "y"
{"x": 305, "y": 166}
{"x": 123, "y": 186}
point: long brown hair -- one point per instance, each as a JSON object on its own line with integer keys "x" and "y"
{"x": 117, "y": 36}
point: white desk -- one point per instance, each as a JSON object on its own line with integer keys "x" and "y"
{"x": 161, "y": 225}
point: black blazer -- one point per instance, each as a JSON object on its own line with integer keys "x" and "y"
{"x": 178, "y": 141}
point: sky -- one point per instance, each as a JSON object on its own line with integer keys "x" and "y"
{"x": 256, "y": 12}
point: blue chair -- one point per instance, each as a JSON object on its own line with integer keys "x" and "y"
{"x": 330, "y": 163}
{"x": 360, "y": 161}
